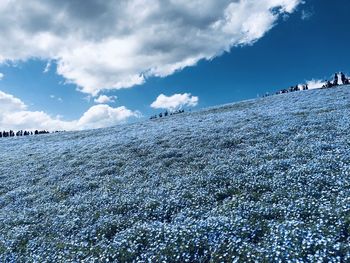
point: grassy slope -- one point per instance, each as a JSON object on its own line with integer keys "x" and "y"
{"x": 261, "y": 179}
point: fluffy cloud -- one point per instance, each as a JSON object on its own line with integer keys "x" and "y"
{"x": 115, "y": 44}
{"x": 100, "y": 116}
{"x": 9, "y": 103}
{"x": 103, "y": 99}
{"x": 14, "y": 115}
{"x": 315, "y": 84}
{"x": 175, "y": 101}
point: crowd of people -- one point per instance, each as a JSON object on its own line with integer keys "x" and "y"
{"x": 166, "y": 114}
{"x": 11, "y": 133}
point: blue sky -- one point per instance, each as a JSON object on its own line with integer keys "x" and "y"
{"x": 308, "y": 42}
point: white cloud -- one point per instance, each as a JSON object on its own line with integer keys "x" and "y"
{"x": 315, "y": 84}
{"x": 14, "y": 115}
{"x": 10, "y": 103}
{"x": 100, "y": 116}
{"x": 175, "y": 101}
{"x": 1, "y": 76}
{"x": 103, "y": 99}
{"x": 115, "y": 44}
{"x": 47, "y": 67}
{"x": 58, "y": 98}
{"x": 306, "y": 15}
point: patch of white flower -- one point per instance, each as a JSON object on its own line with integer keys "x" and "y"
{"x": 265, "y": 180}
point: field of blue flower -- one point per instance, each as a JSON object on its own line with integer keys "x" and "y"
{"x": 265, "y": 180}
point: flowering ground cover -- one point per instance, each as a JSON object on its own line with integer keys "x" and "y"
{"x": 265, "y": 180}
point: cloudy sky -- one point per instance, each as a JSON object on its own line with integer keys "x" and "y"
{"x": 95, "y": 63}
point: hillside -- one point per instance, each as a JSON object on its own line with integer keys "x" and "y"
{"x": 260, "y": 180}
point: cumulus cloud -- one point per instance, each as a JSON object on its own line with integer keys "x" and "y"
{"x": 175, "y": 101}
{"x": 10, "y": 103}
{"x": 115, "y": 44}
{"x": 315, "y": 83}
{"x": 14, "y": 115}
{"x": 102, "y": 115}
{"x": 103, "y": 99}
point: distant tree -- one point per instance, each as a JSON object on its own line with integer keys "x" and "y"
{"x": 336, "y": 80}
{"x": 43, "y": 132}
{"x": 36, "y": 132}
{"x": 344, "y": 79}
{"x": 324, "y": 86}
{"x": 166, "y": 113}
{"x": 160, "y": 115}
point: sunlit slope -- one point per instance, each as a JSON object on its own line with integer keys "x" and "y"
{"x": 264, "y": 179}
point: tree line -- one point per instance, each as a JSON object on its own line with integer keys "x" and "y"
{"x": 335, "y": 82}
{"x": 328, "y": 84}
{"x": 11, "y": 133}
{"x": 166, "y": 114}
